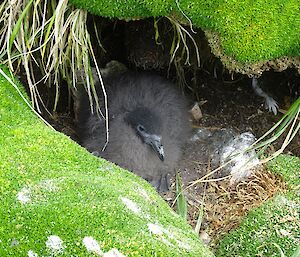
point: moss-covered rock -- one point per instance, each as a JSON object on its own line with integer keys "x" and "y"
{"x": 56, "y": 198}
{"x": 248, "y": 31}
{"x": 273, "y": 227}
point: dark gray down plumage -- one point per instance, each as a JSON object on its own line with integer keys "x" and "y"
{"x": 148, "y": 125}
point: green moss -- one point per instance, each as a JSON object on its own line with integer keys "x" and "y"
{"x": 288, "y": 167}
{"x": 250, "y": 31}
{"x": 259, "y": 30}
{"x": 123, "y": 9}
{"x": 49, "y": 185}
{"x": 276, "y": 223}
{"x": 126, "y": 9}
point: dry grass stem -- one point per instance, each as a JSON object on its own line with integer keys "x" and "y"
{"x": 51, "y": 42}
{"x": 225, "y": 211}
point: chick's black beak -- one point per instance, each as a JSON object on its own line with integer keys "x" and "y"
{"x": 153, "y": 140}
{"x": 158, "y": 148}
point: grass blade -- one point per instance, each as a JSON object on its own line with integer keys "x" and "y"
{"x": 181, "y": 202}
{"x": 18, "y": 24}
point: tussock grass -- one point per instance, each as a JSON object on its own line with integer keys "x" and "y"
{"x": 50, "y": 41}
{"x": 48, "y": 36}
{"x": 289, "y": 123}
{"x": 180, "y": 52}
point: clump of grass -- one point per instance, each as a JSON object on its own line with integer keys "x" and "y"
{"x": 48, "y": 38}
{"x": 180, "y": 37}
{"x": 180, "y": 49}
{"x": 290, "y": 123}
{"x": 49, "y": 35}
{"x": 184, "y": 50}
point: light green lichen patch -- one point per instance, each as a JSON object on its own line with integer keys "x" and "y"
{"x": 32, "y": 254}
{"x": 55, "y": 245}
{"x": 55, "y": 195}
{"x": 92, "y": 245}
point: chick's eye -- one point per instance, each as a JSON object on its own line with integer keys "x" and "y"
{"x": 140, "y": 128}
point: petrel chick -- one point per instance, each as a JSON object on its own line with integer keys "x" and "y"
{"x": 148, "y": 125}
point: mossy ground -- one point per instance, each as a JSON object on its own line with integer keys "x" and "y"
{"x": 49, "y": 186}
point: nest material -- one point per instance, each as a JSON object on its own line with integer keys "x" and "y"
{"x": 226, "y": 207}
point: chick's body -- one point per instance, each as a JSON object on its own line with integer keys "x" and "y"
{"x": 153, "y": 102}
